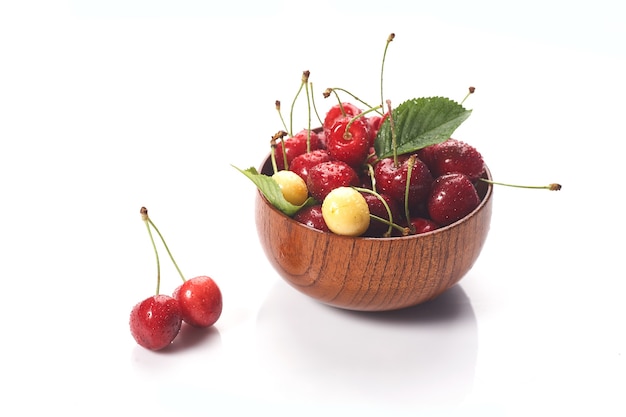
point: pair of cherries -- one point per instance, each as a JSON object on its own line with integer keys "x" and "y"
{"x": 156, "y": 321}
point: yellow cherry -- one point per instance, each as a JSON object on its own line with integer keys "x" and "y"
{"x": 292, "y": 186}
{"x": 346, "y": 212}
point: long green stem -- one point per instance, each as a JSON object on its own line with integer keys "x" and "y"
{"x": 327, "y": 93}
{"x": 392, "y": 125}
{"x": 144, "y": 215}
{"x": 273, "y": 157}
{"x": 404, "y": 230}
{"x": 308, "y": 132}
{"x": 469, "y": 93}
{"x": 382, "y": 69}
{"x": 358, "y": 116}
{"x": 280, "y": 114}
{"x": 370, "y": 172}
{"x": 389, "y": 222}
{"x": 335, "y": 89}
{"x": 278, "y": 136}
{"x": 551, "y": 187}
{"x": 305, "y": 80}
{"x": 409, "y": 173}
{"x": 167, "y": 249}
{"x": 319, "y": 119}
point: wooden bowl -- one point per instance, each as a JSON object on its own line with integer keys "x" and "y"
{"x": 372, "y": 274}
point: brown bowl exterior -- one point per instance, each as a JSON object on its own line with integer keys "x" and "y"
{"x": 372, "y": 274}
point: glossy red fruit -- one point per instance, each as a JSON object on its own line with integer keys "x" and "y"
{"x": 453, "y": 156}
{"x": 326, "y": 176}
{"x": 311, "y": 216}
{"x": 302, "y": 163}
{"x": 348, "y": 141}
{"x": 337, "y": 111}
{"x": 392, "y": 180}
{"x": 200, "y": 301}
{"x": 155, "y": 321}
{"x": 294, "y": 146}
{"x": 423, "y": 225}
{"x": 377, "y": 208}
{"x": 453, "y": 197}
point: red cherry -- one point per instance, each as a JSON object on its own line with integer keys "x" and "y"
{"x": 377, "y": 208}
{"x": 200, "y": 301}
{"x": 423, "y": 225}
{"x": 453, "y": 156}
{"x": 312, "y": 216}
{"x": 326, "y": 176}
{"x": 453, "y": 197}
{"x": 302, "y": 163}
{"x": 337, "y": 111}
{"x": 392, "y": 180}
{"x": 348, "y": 140}
{"x": 294, "y": 146}
{"x": 155, "y": 321}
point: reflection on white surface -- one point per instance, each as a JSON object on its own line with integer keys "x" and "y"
{"x": 188, "y": 340}
{"x": 423, "y": 355}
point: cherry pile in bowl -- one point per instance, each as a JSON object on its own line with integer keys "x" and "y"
{"x": 411, "y": 193}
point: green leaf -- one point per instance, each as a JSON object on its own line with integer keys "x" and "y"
{"x": 271, "y": 190}
{"x": 420, "y": 122}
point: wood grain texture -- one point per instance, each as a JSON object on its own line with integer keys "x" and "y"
{"x": 372, "y": 274}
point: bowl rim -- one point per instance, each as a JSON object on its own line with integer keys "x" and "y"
{"x": 484, "y": 200}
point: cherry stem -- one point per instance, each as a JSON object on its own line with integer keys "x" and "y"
{"x": 147, "y": 219}
{"x": 469, "y": 93}
{"x": 392, "y": 125}
{"x": 334, "y": 90}
{"x": 144, "y": 217}
{"x": 280, "y": 114}
{"x": 370, "y": 172}
{"x": 278, "y": 136}
{"x": 551, "y": 187}
{"x": 405, "y": 230}
{"x": 382, "y": 68}
{"x": 319, "y": 119}
{"x": 304, "y": 81}
{"x": 347, "y": 134}
{"x": 382, "y": 200}
{"x": 308, "y": 101}
{"x": 409, "y": 172}
{"x": 273, "y": 157}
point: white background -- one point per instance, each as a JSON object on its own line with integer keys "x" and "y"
{"x": 107, "y": 106}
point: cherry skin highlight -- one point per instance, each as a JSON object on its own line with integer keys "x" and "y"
{"x": 155, "y": 321}
{"x": 294, "y": 146}
{"x": 392, "y": 180}
{"x": 326, "y": 176}
{"x": 348, "y": 141}
{"x": 453, "y": 156}
{"x": 311, "y": 216}
{"x": 423, "y": 225}
{"x": 377, "y": 208}
{"x": 302, "y": 163}
{"x": 200, "y": 301}
{"x": 336, "y": 112}
{"x": 453, "y": 197}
